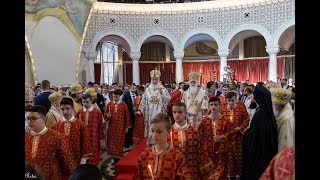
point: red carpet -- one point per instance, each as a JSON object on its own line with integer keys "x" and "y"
{"x": 126, "y": 167}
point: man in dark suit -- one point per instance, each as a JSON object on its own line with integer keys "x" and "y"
{"x": 100, "y": 100}
{"x": 242, "y": 96}
{"x": 129, "y": 98}
{"x": 42, "y": 99}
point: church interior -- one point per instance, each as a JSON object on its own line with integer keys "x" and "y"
{"x": 125, "y": 46}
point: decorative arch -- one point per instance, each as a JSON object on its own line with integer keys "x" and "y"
{"x": 264, "y": 32}
{"x": 109, "y": 32}
{"x": 282, "y": 29}
{"x": 163, "y": 33}
{"x": 209, "y": 32}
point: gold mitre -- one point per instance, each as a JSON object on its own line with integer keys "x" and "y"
{"x": 155, "y": 73}
{"x": 28, "y": 94}
{"x": 280, "y": 95}
{"x": 271, "y": 85}
{"x": 193, "y": 76}
{"x": 55, "y": 97}
{"x": 76, "y": 88}
{"x": 91, "y": 92}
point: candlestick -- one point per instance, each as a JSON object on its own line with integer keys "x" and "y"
{"x": 150, "y": 170}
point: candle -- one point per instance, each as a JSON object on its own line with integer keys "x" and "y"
{"x": 231, "y": 116}
{"x": 150, "y": 170}
{"x": 109, "y": 109}
{"x": 214, "y": 128}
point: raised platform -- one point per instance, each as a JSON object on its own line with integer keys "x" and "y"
{"x": 127, "y": 166}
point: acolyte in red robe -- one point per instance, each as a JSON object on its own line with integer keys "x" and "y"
{"x": 237, "y": 118}
{"x": 170, "y": 164}
{"x": 75, "y": 134}
{"x": 213, "y": 154}
{"x": 50, "y": 152}
{"x": 175, "y": 96}
{"x": 138, "y": 131}
{"x": 117, "y": 127}
{"x": 187, "y": 141}
{"x": 94, "y": 125}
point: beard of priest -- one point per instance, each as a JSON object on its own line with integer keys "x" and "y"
{"x": 193, "y": 87}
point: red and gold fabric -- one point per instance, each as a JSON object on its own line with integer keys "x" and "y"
{"x": 170, "y": 164}
{"x": 236, "y": 118}
{"x": 212, "y": 159}
{"x": 175, "y": 96}
{"x": 74, "y": 132}
{"x": 50, "y": 152}
{"x": 282, "y": 166}
{"x": 117, "y": 126}
{"x": 187, "y": 141}
{"x": 222, "y": 99}
{"x": 138, "y": 130}
{"x": 94, "y": 126}
{"x": 210, "y": 95}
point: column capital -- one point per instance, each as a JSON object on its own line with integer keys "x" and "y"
{"x": 178, "y": 55}
{"x": 90, "y": 55}
{"x": 272, "y": 49}
{"x": 223, "y": 52}
{"x": 135, "y": 56}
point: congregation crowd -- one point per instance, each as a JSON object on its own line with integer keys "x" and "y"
{"x": 220, "y": 130}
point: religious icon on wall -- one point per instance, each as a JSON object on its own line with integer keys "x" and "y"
{"x": 202, "y": 48}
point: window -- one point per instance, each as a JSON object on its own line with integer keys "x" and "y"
{"x": 108, "y": 57}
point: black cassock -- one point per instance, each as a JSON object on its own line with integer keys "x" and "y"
{"x": 260, "y": 142}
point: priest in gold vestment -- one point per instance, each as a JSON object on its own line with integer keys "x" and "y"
{"x": 196, "y": 100}
{"x": 154, "y": 100}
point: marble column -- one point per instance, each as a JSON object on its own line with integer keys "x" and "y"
{"x": 178, "y": 55}
{"x": 272, "y": 68}
{"x": 223, "y": 61}
{"x": 120, "y": 65}
{"x": 135, "y": 56}
{"x": 241, "y": 49}
{"x": 91, "y": 56}
{"x": 167, "y": 52}
{"x": 91, "y": 70}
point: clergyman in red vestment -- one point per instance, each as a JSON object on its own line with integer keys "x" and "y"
{"x": 236, "y": 113}
{"x": 118, "y": 118}
{"x": 161, "y": 160}
{"x": 138, "y": 130}
{"x": 92, "y": 117}
{"x": 46, "y": 148}
{"x": 185, "y": 138}
{"x": 74, "y": 132}
{"x": 213, "y": 145}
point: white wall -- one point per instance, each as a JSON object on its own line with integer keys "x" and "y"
{"x": 55, "y": 51}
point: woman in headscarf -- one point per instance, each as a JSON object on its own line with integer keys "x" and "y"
{"x": 260, "y": 143}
